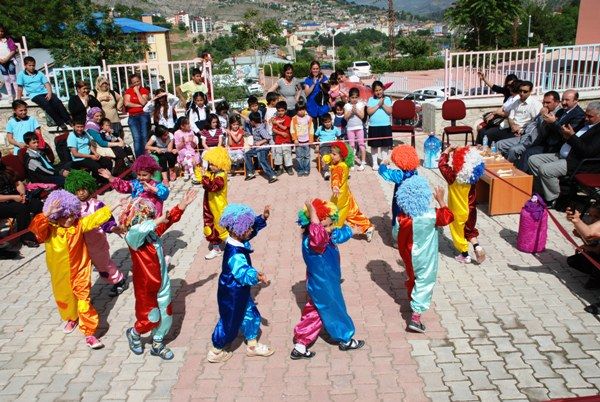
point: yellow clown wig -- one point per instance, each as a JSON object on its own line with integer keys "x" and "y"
{"x": 324, "y": 210}
{"x": 219, "y": 157}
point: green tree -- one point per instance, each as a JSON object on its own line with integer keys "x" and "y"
{"x": 413, "y": 45}
{"x": 254, "y": 32}
{"x": 550, "y": 26}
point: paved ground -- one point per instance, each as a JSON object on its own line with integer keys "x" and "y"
{"x": 513, "y": 328}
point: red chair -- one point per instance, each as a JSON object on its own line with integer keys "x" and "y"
{"x": 402, "y": 111}
{"x": 453, "y": 110}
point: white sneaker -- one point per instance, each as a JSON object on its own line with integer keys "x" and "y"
{"x": 218, "y": 356}
{"x": 375, "y": 166}
{"x": 369, "y": 233}
{"x": 352, "y": 169}
{"x": 361, "y": 167}
{"x": 214, "y": 253}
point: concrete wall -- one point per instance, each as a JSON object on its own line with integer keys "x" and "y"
{"x": 587, "y": 24}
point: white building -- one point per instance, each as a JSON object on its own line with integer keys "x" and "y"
{"x": 201, "y": 25}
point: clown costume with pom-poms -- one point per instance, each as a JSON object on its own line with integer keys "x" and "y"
{"x": 418, "y": 242}
{"x": 348, "y": 210}
{"x": 462, "y": 176}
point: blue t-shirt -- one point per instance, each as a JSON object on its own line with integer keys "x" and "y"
{"x": 81, "y": 144}
{"x": 328, "y": 135}
{"x": 380, "y": 118}
{"x": 33, "y": 85}
{"x": 18, "y": 128}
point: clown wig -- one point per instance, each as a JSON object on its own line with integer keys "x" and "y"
{"x": 78, "y": 180}
{"x": 145, "y": 163}
{"x": 237, "y": 218}
{"x": 346, "y": 152}
{"x": 324, "y": 210}
{"x": 137, "y": 211}
{"x": 69, "y": 205}
{"x": 468, "y": 165}
{"x": 405, "y": 157}
{"x": 414, "y": 196}
{"x": 219, "y": 157}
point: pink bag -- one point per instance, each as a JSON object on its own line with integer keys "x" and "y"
{"x": 533, "y": 226}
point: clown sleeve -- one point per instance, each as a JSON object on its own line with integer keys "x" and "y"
{"x": 96, "y": 219}
{"x": 259, "y": 224}
{"x": 136, "y": 235}
{"x": 110, "y": 224}
{"x": 121, "y": 186}
{"x": 443, "y": 216}
{"x": 393, "y": 175}
{"x": 341, "y": 235}
{"x": 213, "y": 185}
{"x": 337, "y": 175}
{"x": 173, "y": 216}
{"x": 445, "y": 168}
{"x": 318, "y": 238}
{"x": 40, "y": 227}
{"x": 162, "y": 191}
{"x": 244, "y": 273}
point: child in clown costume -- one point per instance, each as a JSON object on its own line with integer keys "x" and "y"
{"x": 418, "y": 242}
{"x": 341, "y": 160}
{"x": 143, "y": 185}
{"x": 237, "y": 310}
{"x": 214, "y": 182}
{"x": 467, "y": 167}
{"x": 406, "y": 160}
{"x": 151, "y": 282}
{"x": 325, "y": 306}
{"x": 61, "y": 227}
{"x": 83, "y": 185}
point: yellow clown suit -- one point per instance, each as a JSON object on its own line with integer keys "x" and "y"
{"x": 67, "y": 257}
{"x": 214, "y": 182}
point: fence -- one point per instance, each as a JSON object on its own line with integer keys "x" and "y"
{"x": 567, "y": 67}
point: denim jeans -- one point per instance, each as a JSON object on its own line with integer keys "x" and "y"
{"x": 138, "y": 125}
{"x": 54, "y": 107}
{"x": 303, "y": 158}
{"x": 263, "y": 159}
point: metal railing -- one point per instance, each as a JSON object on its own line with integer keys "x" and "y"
{"x": 567, "y": 67}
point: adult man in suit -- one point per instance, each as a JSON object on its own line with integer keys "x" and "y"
{"x": 548, "y": 168}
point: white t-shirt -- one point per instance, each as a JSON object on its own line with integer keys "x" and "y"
{"x": 269, "y": 114}
{"x": 354, "y": 122}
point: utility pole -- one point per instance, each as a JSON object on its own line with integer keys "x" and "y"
{"x": 391, "y": 29}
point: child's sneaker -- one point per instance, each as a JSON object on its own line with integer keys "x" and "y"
{"x": 159, "y": 349}
{"x": 462, "y": 259}
{"x": 416, "y": 326}
{"x": 369, "y": 233}
{"x": 297, "y": 355}
{"x": 361, "y": 167}
{"x": 326, "y": 175}
{"x": 135, "y": 342}
{"x": 352, "y": 345}
{"x": 70, "y": 326}
{"x": 259, "y": 350}
{"x": 93, "y": 342}
{"x": 218, "y": 355}
{"x": 479, "y": 254}
{"x": 289, "y": 170}
{"x": 352, "y": 169}
{"x": 118, "y": 288}
{"x": 214, "y": 253}
{"x": 273, "y": 179}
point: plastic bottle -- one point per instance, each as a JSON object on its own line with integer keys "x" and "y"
{"x": 485, "y": 141}
{"x": 432, "y": 149}
{"x": 494, "y": 149}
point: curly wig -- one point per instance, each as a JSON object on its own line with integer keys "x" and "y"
{"x": 219, "y": 157}
{"x": 237, "y": 218}
{"x": 137, "y": 211}
{"x": 468, "y": 165}
{"x": 145, "y": 163}
{"x": 405, "y": 157}
{"x": 80, "y": 179}
{"x": 324, "y": 210}
{"x": 414, "y": 196}
{"x": 69, "y": 205}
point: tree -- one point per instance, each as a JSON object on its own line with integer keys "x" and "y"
{"x": 254, "y": 33}
{"x": 413, "y": 45}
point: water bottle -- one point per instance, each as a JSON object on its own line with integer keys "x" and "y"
{"x": 432, "y": 149}
{"x": 494, "y": 148}
{"x": 485, "y": 141}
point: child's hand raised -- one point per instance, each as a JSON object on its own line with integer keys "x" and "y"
{"x": 188, "y": 198}
{"x": 105, "y": 173}
{"x": 54, "y": 208}
{"x": 450, "y": 149}
{"x": 266, "y": 212}
{"x": 438, "y": 194}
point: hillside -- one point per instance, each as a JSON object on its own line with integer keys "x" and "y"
{"x": 418, "y": 7}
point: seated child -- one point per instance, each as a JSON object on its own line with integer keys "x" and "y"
{"x": 151, "y": 282}
{"x": 325, "y": 306}
{"x": 161, "y": 144}
{"x": 326, "y": 133}
{"x": 222, "y": 110}
{"x": 186, "y": 144}
{"x": 235, "y": 142}
{"x": 39, "y": 168}
{"x": 61, "y": 227}
{"x": 19, "y": 124}
{"x": 282, "y": 154}
{"x": 236, "y": 308}
{"x": 261, "y": 138}
{"x": 419, "y": 248}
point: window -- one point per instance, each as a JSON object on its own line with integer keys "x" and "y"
{"x": 152, "y": 55}
{"x": 150, "y": 39}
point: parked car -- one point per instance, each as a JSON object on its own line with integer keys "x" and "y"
{"x": 480, "y": 91}
{"x": 361, "y": 68}
{"x": 431, "y": 94}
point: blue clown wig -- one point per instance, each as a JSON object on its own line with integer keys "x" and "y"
{"x": 237, "y": 218}
{"x": 414, "y": 196}
{"x": 69, "y": 205}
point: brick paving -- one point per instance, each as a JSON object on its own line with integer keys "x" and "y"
{"x": 513, "y": 328}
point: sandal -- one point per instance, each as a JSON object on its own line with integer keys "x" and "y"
{"x": 135, "y": 342}
{"x": 353, "y": 344}
{"x": 159, "y": 349}
{"x": 259, "y": 350}
{"x": 593, "y": 308}
{"x": 296, "y": 355}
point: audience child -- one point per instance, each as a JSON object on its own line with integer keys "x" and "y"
{"x": 83, "y": 152}
{"x": 161, "y": 144}
{"x": 151, "y": 282}
{"x": 186, "y": 144}
{"x": 235, "y": 141}
{"x": 354, "y": 114}
{"x": 39, "y": 168}
{"x": 110, "y": 148}
{"x": 283, "y": 139}
{"x": 212, "y": 135}
{"x": 143, "y": 186}
{"x": 237, "y": 310}
{"x": 326, "y": 133}
{"x": 214, "y": 182}
{"x": 302, "y": 131}
{"x": 325, "y": 305}
{"x": 379, "y": 109}
{"x": 340, "y": 159}
{"x": 198, "y": 112}
{"x": 19, "y": 124}
{"x": 261, "y": 138}
{"x": 62, "y": 229}
{"x": 222, "y": 109}
{"x": 335, "y": 92}
{"x": 37, "y": 87}
{"x": 271, "y": 110}
{"x": 8, "y": 51}
{"x": 83, "y": 186}
{"x": 339, "y": 119}
{"x": 462, "y": 176}
{"x": 162, "y": 109}
{"x": 418, "y": 242}
{"x": 253, "y": 107}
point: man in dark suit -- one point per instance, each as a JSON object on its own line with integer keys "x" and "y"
{"x": 548, "y": 168}
{"x": 550, "y": 139}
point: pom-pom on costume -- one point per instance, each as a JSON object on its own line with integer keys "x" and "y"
{"x": 67, "y": 257}
{"x": 346, "y": 204}
{"x": 151, "y": 282}
{"x": 467, "y": 167}
{"x": 325, "y": 306}
{"x": 144, "y": 163}
{"x": 95, "y": 240}
{"x": 418, "y": 239}
{"x": 237, "y": 310}
{"x": 215, "y": 193}
{"x": 406, "y": 159}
